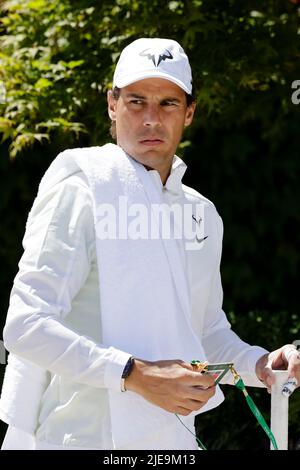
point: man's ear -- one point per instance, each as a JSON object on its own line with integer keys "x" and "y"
{"x": 111, "y": 108}
{"x": 189, "y": 114}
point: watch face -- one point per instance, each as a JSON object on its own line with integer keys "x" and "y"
{"x": 127, "y": 368}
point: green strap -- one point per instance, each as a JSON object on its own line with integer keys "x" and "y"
{"x": 240, "y": 385}
{"x": 201, "y": 445}
{"x": 238, "y": 382}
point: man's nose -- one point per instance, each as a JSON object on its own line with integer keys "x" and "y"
{"x": 152, "y": 116}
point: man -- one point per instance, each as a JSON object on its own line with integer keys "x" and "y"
{"x": 105, "y": 303}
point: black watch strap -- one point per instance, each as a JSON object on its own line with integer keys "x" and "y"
{"x": 126, "y": 371}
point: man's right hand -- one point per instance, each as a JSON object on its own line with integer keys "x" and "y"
{"x": 172, "y": 385}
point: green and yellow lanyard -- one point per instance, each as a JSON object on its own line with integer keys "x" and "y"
{"x": 238, "y": 382}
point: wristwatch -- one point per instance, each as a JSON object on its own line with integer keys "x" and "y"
{"x": 126, "y": 372}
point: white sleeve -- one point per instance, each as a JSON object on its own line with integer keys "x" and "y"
{"x": 58, "y": 245}
{"x": 220, "y": 343}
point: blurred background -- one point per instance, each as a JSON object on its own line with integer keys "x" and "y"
{"x": 56, "y": 64}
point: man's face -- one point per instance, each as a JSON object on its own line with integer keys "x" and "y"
{"x": 150, "y": 116}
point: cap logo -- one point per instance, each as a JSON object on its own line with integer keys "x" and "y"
{"x": 156, "y": 56}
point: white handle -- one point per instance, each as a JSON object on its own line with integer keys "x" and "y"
{"x": 280, "y": 411}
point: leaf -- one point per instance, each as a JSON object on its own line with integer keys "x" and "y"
{"x": 42, "y": 83}
{"x": 36, "y": 4}
{"x": 74, "y": 63}
{"x": 24, "y": 140}
{"x": 5, "y": 124}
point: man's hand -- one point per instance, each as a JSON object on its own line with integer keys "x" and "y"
{"x": 286, "y": 357}
{"x": 172, "y": 385}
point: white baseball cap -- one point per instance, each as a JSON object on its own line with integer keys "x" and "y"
{"x": 153, "y": 58}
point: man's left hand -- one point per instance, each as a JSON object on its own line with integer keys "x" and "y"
{"x": 286, "y": 357}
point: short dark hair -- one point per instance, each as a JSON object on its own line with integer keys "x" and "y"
{"x": 116, "y": 95}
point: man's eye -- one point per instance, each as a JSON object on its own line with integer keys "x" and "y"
{"x": 136, "y": 101}
{"x": 168, "y": 103}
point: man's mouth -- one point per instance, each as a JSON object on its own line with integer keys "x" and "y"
{"x": 151, "y": 142}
